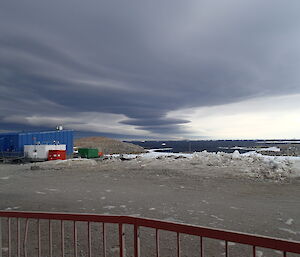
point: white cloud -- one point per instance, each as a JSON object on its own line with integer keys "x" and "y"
{"x": 269, "y": 117}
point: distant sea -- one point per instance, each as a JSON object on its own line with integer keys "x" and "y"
{"x": 228, "y": 146}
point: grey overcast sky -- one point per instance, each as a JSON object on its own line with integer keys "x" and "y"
{"x": 154, "y": 69}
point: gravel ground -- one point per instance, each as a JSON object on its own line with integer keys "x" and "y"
{"x": 197, "y": 194}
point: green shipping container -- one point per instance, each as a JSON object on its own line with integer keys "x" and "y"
{"x": 88, "y": 152}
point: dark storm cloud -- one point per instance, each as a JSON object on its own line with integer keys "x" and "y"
{"x": 143, "y": 60}
{"x": 154, "y": 122}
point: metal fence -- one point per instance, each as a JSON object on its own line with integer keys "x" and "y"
{"x": 17, "y": 227}
{"x": 11, "y": 156}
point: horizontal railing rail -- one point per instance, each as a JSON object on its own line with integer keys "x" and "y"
{"x": 285, "y": 246}
{"x": 12, "y": 154}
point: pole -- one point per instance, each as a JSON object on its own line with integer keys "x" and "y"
{"x": 0, "y": 238}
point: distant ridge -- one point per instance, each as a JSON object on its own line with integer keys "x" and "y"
{"x": 108, "y": 145}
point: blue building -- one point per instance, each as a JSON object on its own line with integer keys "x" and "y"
{"x": 14, "y": 142}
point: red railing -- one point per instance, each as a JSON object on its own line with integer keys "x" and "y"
{"x": 202, "y": 232}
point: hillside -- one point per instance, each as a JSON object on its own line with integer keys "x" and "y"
{"x": 108, "y": 145}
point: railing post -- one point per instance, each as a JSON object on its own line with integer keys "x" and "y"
{"x": 18, "y": 237}
{"x": 178, "y": 245}
{"x": 9, "y": 238}
{"x": 104, "y": 239}
{"x": 50, "y": 239}
{"x": 122, "y": 240}
{"x": 0, "y": 238}
{"x": 75, "y": 238}
{"x": 89, "y": 240}
{"x": 157, "y": 243}
{"x": 62, "y": 239}
{"x": 25, "y": 238}
{"x": 201, "y": 247}
{"x": 136, "y": 241}
{"x": 39, "y": 238}
{"x": 226, "y": 248}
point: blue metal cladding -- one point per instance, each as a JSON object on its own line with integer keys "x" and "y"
{"x": 15, "y": 141}
{"x": 9, "y": 142}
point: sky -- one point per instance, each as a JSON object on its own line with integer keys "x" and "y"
{"x": 167, "y": 69}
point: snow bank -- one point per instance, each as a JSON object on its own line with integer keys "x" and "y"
{"x": 251, "y": 164}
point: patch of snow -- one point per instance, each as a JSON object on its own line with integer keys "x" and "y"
{"x": 216, "y": 217}
{"x": 229, "y": 243}
{"x": 259, "y": 253}
{"x": 135, "y": 214}
{"x": 236, "y": 155}
{"x": 171, "y": 219}
{"x": 278, "y": 252}
{"x": 289, "y": 222}
{"x": 289, "y": 231}
{"x": 115, "y": 249}
{"x": 109, "y": 207}
{"x": 39, "y": 192}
